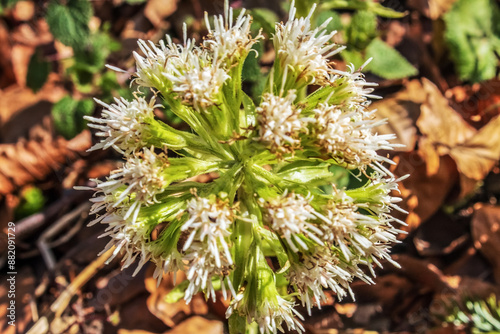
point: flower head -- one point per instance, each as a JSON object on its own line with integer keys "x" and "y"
{"x": 230, "y": 40}
{"x": 124, "y": 125}
{"x": 303, "y": 48}
{"x": 206, "y": 249}
{"x": 318, "y": 271}
{"x": 291, "y": 215}
{"x": 280, "y": 122}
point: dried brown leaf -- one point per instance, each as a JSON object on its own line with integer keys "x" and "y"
{"x": 401, "y": 111}
{"x": 445, "y": 132}
{"x": 422, "y": 197}
{"x": 486, "y": 235}
{"x": 171, "y": 314}
{"x": 198, "y": 324}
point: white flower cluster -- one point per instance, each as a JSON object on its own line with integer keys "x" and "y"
{"x": 123, "y": 125}
{"x": 305, "y": 49}
{"x": 290, "y": 215}
{"x": 280, "y": 121}
{"x": 206, "y": 250}
{"x": 275, "y": 157}
{"x": 227, "y": 39}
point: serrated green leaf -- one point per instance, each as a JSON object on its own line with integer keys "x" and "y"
{"x": 68, "y": 114}
{"x": 387, "y": 62}
{"x": 473, "y": 37}
{"x": 91, "y": 59}
{"x": 69, "y": 22}
{"x": 38, "y": 71}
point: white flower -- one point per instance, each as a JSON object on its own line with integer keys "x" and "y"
{"x": 369, "y": 237}
{"x": 198, "y": 81}
{"x": 355, "y": 86}
{"x": 303, "y": 48}
{"x": 203, "y": 266}
{"x": 227, "y": 39}
{"x": 290, "y": 215}
{"x": 124, "y": 124}
{"x": 279, "y": 121}
{"x": 160, "y": 59}
{"x": 315, "y": 272}
{"x": 135, "y": 184}
{"x": 269, "y": 314}
{"x": 206, "y": 250}
{"x": 348, "y": 136}
{"x": 381, "y": 201}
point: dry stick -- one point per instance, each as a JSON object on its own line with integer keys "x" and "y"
{"x": 42, "y": 326}
{"x": 56, "y": 228}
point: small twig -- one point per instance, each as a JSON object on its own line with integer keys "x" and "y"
{"x": 57, "y": 308}
{"x": 53, "y": 230}
{"x": 29, "y": 225}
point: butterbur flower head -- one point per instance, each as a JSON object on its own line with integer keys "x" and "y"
{"x": 199, "y": 84}
{"x": 291, "y": 216}
{"x": 229, "y": 40}
{"x": 280, "y": 121}
{"x": 315, "y": 272}
{"x": 124, "y": 124}
{"x": 251, "y": 179}
{"x": 304, "y": 48}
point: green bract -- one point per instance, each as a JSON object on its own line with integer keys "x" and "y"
{"x": 277, "y": 162}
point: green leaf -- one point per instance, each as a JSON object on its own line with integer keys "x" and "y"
{"x": 91, "y": 59}
{"x": 369, "y": 5}
{"x": 387, "y": 62}
{"x": 69, "y": 22}
{"x": 38, "y": 71}
{"x": 473, "y": 37}
{"x": 68, "y": 114}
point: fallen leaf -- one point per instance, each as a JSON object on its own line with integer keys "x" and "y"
{"x": 421, "y": 197}
{"x": 445, "y": 132}
{"x": 477, "y": 156}
{"x": 198, "y": 324}
{"x": 171, "y": 314}
{"x": 441, "y": 126}
{"x": 486, "y": 235}
{"x": 401, "y": 112}
{"x": 440, "y": 235}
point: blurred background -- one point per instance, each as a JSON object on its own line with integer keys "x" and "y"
{"x": 436, "y": 63}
